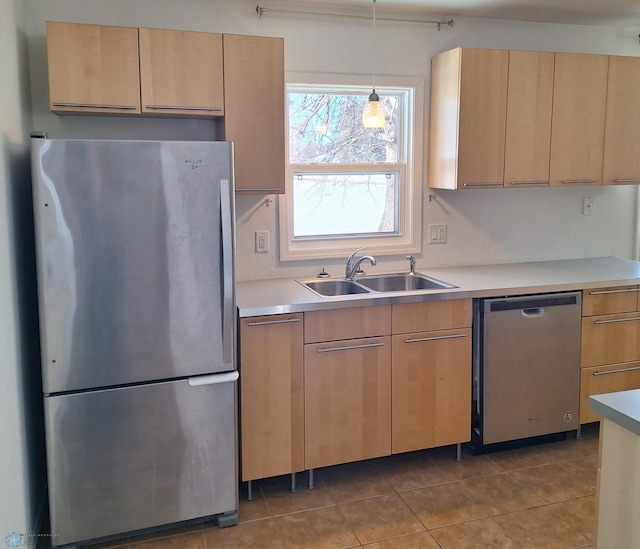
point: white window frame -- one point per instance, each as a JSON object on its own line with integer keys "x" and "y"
{"x": 409, "y": 237}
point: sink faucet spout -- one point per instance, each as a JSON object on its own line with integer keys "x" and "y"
{"x": 353, "y": 264}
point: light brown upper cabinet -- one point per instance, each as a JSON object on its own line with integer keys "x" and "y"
{"x": 577, "y": 129}
{"x": 621, "y": 164}
{"x": 468, "y": 116}
{"x": 238, "y": 80}
{"x": 181, "y": 73}
{"x": 254, "y": 105}
{"x": 528, "y": 129}
{"x": 93, "y": 69}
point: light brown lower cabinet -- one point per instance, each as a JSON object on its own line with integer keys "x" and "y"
{"x": 343, "y": 385}
{"x": 610, "y": 349}
{"x": 347, "y": 401}
{"x": 605, "y": 379}
{"x": 431, "y": 380}
{"x": 271, "y": 396}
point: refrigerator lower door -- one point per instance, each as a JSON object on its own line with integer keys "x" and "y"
{"x": 132, "y": 458}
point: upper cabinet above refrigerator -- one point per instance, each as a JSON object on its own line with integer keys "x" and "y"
{"x": 236, "y": 81}
{"x": 181, "y": 72}
{"x": 93, "y": 69}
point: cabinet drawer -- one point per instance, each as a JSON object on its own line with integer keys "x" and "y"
{"x": 608, "y": 339}
{"x": 336, "y": 324}
{"x": 603, "y": 301}
{"x": 606, "y": 379}
{"x": 431, "y": 315}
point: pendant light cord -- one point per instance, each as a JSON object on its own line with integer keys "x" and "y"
{"x": 374, "y": 46}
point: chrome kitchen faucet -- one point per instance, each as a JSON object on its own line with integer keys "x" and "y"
{"x": 352, "y": 264}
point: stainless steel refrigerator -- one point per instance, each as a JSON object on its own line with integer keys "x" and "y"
{"x": 135, "y": 258}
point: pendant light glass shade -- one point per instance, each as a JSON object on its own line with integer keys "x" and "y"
{"x": 373, "y": 115}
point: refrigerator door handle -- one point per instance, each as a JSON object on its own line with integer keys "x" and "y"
{"x": 213, "y": 379}
{"x": 228, "y": 323}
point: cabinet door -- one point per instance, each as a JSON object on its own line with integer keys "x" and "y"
{"x": 93, "y": 68}
{"x": 271, "y": 396}
{"x": 254, "y": 111}
{"x": 347, "y": 401}
{"x": 577, "y": 130}
{"x": 181, "y": 72}
{"x": 608, "y": 339}
{"x": 468, "y": 116}
{"x": 431, "y": 381}
{"x": 483, "y": 107}
{"x": 529, "y": 102}
{"x": 621, "y": 164}
{"x": 605, "y": 379}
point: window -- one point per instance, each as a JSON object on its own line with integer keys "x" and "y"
{"x": 349, "y": 186}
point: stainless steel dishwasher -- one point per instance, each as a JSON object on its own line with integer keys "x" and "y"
{"x": 526, "y": 369}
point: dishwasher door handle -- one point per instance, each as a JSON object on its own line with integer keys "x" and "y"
{"x": 534, "y": 311}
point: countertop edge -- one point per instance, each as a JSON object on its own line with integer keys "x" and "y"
{"x": 622, "y": 407}
{"x": 282, "y": 296}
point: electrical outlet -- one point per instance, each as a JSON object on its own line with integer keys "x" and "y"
{"x": 587, "y": 206}
{"x": 262, "y": 242}
{"x": 437, "y": 233}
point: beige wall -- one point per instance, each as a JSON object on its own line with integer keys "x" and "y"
{"x": 484, "y": 226}
{"x": 22, "y": 454}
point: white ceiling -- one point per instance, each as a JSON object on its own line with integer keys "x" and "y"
{"x": 616, "y": 13}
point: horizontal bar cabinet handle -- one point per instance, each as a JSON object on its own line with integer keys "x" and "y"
{"x": 269, "y": 322}
{"x": 623, "y": 291}
{"x": 616, "y": 320}
{"x": 350, "y": 347}
{"x": 434, "y": 338}
{"x": 96, "y": 106}
{"x": 182, "y": 108}
{"x": 620, "y": 370}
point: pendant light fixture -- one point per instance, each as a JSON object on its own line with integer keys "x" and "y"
{"x": 373, "y": 115}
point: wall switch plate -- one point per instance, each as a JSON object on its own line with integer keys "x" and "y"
{"x": 437, "y": 233}
{"x": 587, "y": 206}
{"x": 262, "y": 242}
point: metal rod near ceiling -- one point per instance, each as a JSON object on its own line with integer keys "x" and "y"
{"x": 261, "y": 10}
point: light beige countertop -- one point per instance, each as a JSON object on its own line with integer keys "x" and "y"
{"x": 286, "y": 295}
{"x": 622, "y": 408}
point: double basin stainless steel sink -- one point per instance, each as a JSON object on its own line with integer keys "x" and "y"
{"x": 395, "y": 282}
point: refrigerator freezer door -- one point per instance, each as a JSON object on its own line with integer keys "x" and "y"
{"x": 137, "y": 457}
{"x": 135, "y": 250}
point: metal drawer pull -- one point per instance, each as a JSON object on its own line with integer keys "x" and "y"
{"x": 96, "y": 106}
{"x": 179, "y": 108}
{"x": 596, "y": 373}
{"x": 616, "y": 320}
{"x": 627, "y": 180}
{"x": 266, "y": 322}
{"x": 435, "y": 338}
{"x": 480, "y": 184}
{"x": 578, "y": 181}
{"x": 626, "y": 290}
{"x": 350, "y": 347}
{"x": 529, "y": 182}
